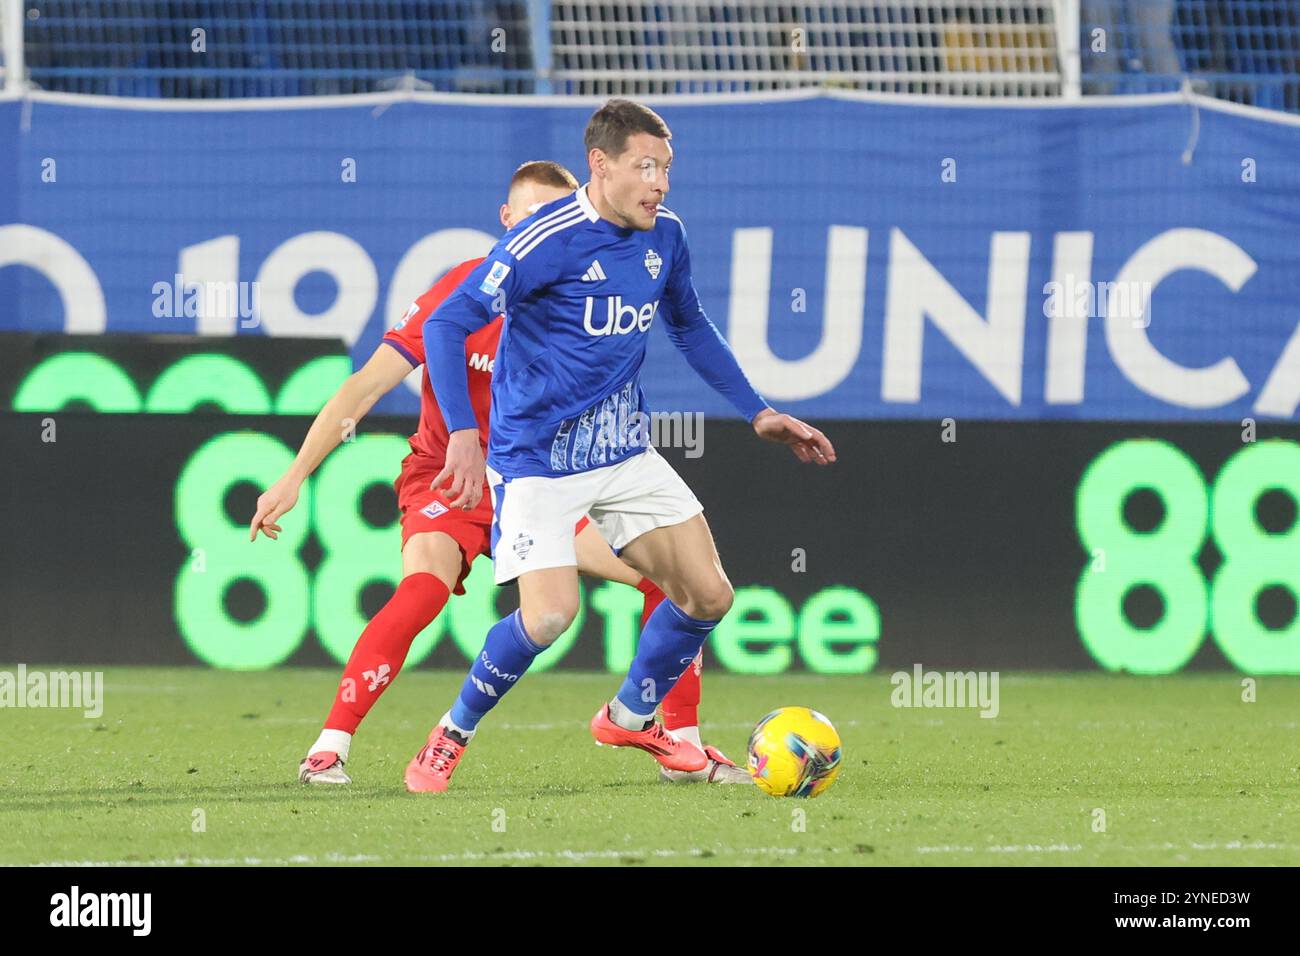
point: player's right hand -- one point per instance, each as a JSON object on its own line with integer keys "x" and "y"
{"x": 464, "y": 471}
{"x": 808, "y": 444}
{"x": 273, "y": 503}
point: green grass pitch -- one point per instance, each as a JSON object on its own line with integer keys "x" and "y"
{"x": 196, "y": 766}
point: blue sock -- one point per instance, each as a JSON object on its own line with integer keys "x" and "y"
{"x": 507, "y": 653}
{"x": 669, "y": 642}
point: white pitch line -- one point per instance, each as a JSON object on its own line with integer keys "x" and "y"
{"x": 1233, "y": 845}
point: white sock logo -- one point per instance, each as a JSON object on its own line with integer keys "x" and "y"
{"x": 377, "y": 678}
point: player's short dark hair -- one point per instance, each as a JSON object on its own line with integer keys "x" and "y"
{"x": 543, "y": 172}
{"x": 611, "y": 125}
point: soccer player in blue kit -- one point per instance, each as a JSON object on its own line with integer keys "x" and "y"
{"x": 581, "y": 282}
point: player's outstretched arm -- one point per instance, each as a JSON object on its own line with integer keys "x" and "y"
{"x": 807, "y": 443}
{"x": 708, "y": 353}
{"x": 355, "y": 397}
{"x": 710, "y": 356}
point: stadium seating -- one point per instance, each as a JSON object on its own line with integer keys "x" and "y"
{"x": 1244, "y": 50}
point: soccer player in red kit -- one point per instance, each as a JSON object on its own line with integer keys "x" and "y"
{"x": 438, "y": 542}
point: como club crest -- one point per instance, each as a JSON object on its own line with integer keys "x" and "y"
{"x": 653, "y": 263}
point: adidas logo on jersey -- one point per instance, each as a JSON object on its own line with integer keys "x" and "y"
{"x": 595, "y": 273}
{"x": 620, "y": 319}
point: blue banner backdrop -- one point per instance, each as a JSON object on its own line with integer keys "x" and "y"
{"x": 867, "y": 259}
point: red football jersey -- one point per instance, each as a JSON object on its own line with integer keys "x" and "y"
{"x": 407, "y": 336}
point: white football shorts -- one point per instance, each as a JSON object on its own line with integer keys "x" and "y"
{"x": 534, "y": 517}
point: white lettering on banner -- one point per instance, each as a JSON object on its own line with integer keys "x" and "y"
{"x": 916, "y": 290}
{"x": 830, "y": 363}
{"x": 917, "y": 294}
{"x": 1280, "y": 395}
{"x": 1140, "y": 361}
{"x": 213, "y": 265}
{"x": 1067, "y": 329}
{"x": 337, "y": 255}
{"x": 80, "y": 293}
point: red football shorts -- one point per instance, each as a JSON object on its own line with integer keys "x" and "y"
{"x": 425, "y": 509}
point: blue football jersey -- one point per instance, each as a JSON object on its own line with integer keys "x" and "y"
{"x": 580, "y": 295}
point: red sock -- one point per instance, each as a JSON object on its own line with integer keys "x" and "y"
{"x": 681, "y": 708}
{"x": 381, "y": 649}
{"x": 653, "y": 598}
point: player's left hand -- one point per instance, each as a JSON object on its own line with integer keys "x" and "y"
{"x": 807, "y": 443}
{"x": 275, "y": 502}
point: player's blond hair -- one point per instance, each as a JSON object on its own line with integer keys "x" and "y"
{"x": 543, "y": 172}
